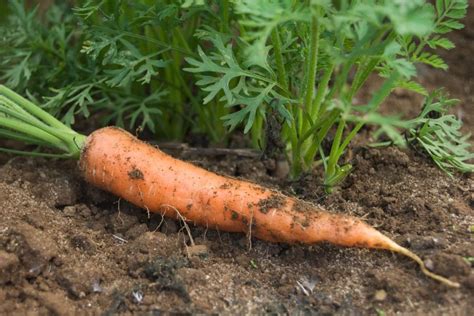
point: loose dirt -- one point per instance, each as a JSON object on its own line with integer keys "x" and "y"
{"x": 67, "y": 248}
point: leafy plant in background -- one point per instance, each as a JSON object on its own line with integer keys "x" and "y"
{"x": 315, "y": 56}
{"x": 122, "y": 59}
{"x": 438, "y": 133}
{"x": 138, "y": 63}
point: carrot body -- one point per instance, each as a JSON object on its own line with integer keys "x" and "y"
{"x": 117, "y": 162}
{"x": 114, "y": 160}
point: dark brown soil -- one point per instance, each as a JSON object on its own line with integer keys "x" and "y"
{"x": 66, "y": 248}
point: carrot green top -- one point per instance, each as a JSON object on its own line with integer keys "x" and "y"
{"x": 22, "y": 120}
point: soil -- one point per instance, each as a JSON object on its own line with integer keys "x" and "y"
{"x": 67, "y": 248}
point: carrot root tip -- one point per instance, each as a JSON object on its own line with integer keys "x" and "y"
{"x": 417, "y": 259}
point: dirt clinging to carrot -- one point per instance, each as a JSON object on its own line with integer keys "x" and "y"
{"x": 136, "y": 174}
{"x": 275, "y": 201}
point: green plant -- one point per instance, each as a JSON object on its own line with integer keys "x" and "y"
{"x": 304, "y": 62}
{"x": 434, "y": 131}
{"x": 380, "y": 312}
{"x": 122, "y": 59}
{"x": 314, "y": 56}
{"x": 438, "y": 133}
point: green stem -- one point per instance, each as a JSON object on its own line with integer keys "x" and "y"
{"x": 280, "y": 64}
{"x": 29, "y": 120}
{"x": 33, "y": 132}
{"x": 32, "y": 108}
{"x": 289, "y": 135}
{"x": 158, "y": 42}
{"x": 368, "y": 64}
{"x": 349, "y": 138}
{"x": 168, "y": 127}
{"x": 225, "y": 16}
{"x": 321, "y": 93}
{"x": 424, "y": 40}
{"x": 362, "y": 74}
{"x": 333, "y": 157}
{"x": 312, "y": 69}
{"x": 256, "y": 131}
{"x": 288, "y": 132}
{"x": 301, "y": 125}
{"x": 327, "y": 122}
{"x": 183, "y": 41}
{"x": 16, "y": 136}
{"x": 341, "y": 79}
{"x": 23, "y": 120}
{"x": 34, "y": 154}
{"x": 296, "y": 164}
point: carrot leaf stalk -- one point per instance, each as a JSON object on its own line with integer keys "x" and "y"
{"x": 114, "y": 160}
{"x": 22, "y": 120}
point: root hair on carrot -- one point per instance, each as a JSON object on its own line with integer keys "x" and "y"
{"x": 249, "y": 232}
{"x": 160, "y": 223}
{"x": 185, "y": 224}
{"x": 119, "y": 211}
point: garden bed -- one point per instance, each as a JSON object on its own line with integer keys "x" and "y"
{"x": 68, "y": 248}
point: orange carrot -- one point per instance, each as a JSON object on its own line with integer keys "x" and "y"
{"x": 114, "y": 160}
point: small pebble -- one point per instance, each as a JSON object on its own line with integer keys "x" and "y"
{"x": 69, "y": 211}
{"x": 84, "y": 210}
{"x": 429, "y": 264}
{"x": 282, "y": 169}
{"x": 197, "y": 250}
{"x": 96, "y": 288}
{"x": 380, "y": 296}
{"x": 137, "y": 296}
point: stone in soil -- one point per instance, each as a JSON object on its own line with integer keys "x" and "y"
{"x": 34, "y": 247}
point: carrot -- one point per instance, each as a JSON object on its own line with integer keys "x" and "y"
{"x": 116, "y": 161}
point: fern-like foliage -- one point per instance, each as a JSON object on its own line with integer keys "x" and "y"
{"x": 447, "y": 16}
{"x": 260, "y": 18}
{"x": 214, "y": 66}
{"x": 223, "y": 78}
{"x": 35, "y": 54}
{"x": 439, "y": 134}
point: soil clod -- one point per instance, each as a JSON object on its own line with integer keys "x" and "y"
{"x": 136, "y": 174}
